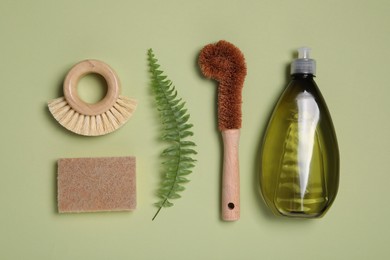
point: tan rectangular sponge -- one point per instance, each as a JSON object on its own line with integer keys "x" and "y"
{"x": 96, "y": 184}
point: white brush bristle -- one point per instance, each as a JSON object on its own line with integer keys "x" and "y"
{"x": 101, "y": 124}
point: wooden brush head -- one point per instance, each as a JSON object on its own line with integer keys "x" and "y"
{"x": 225, "y": 63}
{"x": 87, "y": 119}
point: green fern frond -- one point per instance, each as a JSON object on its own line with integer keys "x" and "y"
{"x": 177, "y": 158}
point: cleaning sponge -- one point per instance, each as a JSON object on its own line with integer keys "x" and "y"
{"x": 96, "y": 184}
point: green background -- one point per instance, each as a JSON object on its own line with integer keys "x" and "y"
{"x": 41, "y": 40}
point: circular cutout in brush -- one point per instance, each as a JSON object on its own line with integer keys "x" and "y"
{"x": 83, "y": 118}
{"x": 225, "y": 63}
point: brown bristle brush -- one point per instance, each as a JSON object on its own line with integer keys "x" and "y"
{"x": 225, "y": 63}
{"x": 100, "y": 118}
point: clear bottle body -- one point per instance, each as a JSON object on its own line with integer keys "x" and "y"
{"x": 299, "y": 174}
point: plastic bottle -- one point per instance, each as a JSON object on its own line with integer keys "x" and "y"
{"x": 299, "y": 174}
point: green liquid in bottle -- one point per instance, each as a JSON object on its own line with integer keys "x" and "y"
{"x": 300, "y": 158}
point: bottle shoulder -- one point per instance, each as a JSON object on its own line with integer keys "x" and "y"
{"x": 302, "y": 84}
{"x": 303, "y": 88}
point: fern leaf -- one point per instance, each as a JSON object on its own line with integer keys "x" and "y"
{"x": 177, "y": 157}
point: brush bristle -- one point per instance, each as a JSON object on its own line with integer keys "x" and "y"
{"x": 225, "y": 63}
{"x": 102, "y": 124}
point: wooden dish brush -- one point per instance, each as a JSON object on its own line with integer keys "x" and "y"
{"x": 225, "y": 63}
{"x": 100, "y": 118}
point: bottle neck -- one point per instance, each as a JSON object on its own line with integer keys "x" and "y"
{"x": 302, "y": 76}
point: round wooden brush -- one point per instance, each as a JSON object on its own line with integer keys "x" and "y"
{"x": 83, "y": 118}
{"x": 225, "y": 63}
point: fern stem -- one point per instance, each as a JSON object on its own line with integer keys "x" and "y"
{"x": 158, "y": 211}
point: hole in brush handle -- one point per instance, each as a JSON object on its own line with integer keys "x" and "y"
{"x": 231, "y": 211}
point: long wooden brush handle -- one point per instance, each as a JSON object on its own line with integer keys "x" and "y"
{"x": 230, "y": 176}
